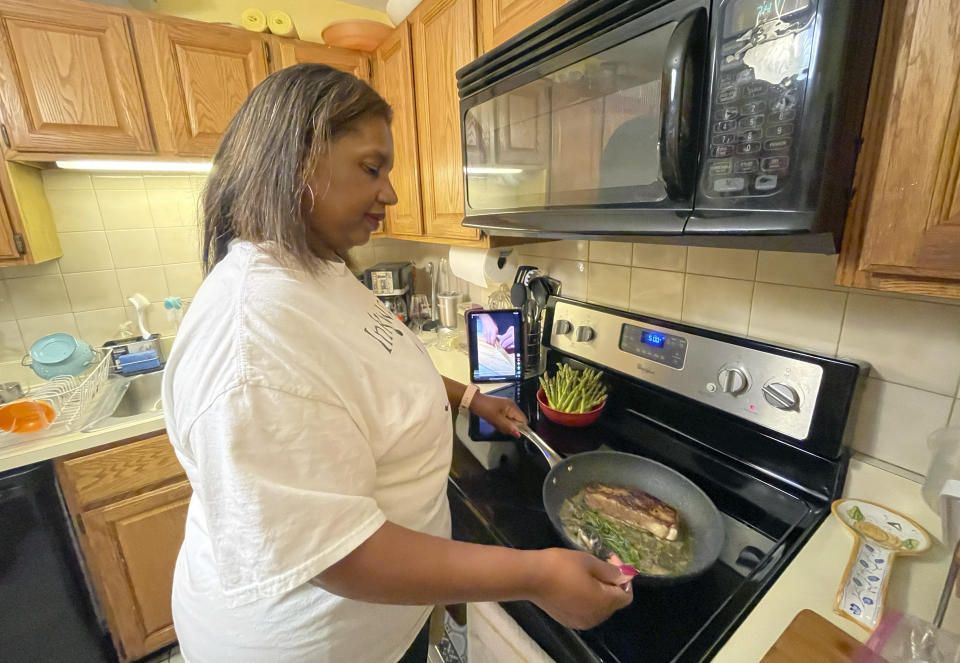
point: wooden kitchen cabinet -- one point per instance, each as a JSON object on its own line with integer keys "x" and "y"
{"x": 903, "y": 229}
{"x": 498, "y": 20}
{"x": 196, "y": 77}
{"x": 69, "y": 81}
{"x": 444, "y": 40}
{"x": 136, "y": 542}
{"x": 129, "y": 505}
{"x": 394, "y": 81}
{"x": 287, "y": 52}
{"x": 28, "y": 234}
{"x": 8, "y": 243}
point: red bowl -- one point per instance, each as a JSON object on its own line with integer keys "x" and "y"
{"x": 568, "y": 418}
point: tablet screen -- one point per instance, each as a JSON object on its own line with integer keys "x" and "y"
{"x": 481, "y": 430}
{"x": 495, "y": 339}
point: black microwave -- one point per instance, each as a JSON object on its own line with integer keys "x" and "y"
{"x": 710, "y": 122}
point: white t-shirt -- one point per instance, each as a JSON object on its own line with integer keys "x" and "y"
{"x": 305, "y": 415}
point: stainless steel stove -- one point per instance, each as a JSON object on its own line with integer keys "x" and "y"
{"x": 759, "y": 428}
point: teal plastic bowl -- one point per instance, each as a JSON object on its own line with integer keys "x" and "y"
{"x": 56, "y": 355}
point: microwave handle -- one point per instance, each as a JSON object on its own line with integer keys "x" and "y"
{"x": 678, "y": 98}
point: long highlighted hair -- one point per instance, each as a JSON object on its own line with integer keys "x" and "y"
{"x": 258, "y": 183}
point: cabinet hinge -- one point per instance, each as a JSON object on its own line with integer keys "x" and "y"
{"x": 80, "y": 526}
{"x": 19, "y": 243}
{"x": 6, "y": 136}
{"x": 266, "y": 52}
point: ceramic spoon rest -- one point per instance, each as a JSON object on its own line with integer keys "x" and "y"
{"x": 880, "y": 535}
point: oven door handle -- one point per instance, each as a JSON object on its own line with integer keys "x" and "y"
{"x": 680, "y": 93}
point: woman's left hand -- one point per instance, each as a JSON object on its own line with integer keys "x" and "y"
{"x": 502, "y": 413}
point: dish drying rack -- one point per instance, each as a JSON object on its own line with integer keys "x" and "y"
{"x": 77, "y": 401}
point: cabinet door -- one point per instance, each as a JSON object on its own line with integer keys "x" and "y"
{"x": 96, "y": 478}
{"x": 501, "y": 19}
{"x": 394, "y": 81}
{"x": 287, "y": 52}
{"x": 131, "y": 548}
{"x": 494, "y": 637}
{"x": 444, "y": 40}
{"x": 8, "y": 248}
{"x": 69, "y": 81}
{"x": 201, "y": 76}
{"x": 905, "y": 221}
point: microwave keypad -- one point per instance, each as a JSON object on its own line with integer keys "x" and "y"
{"x": 752, "y": 131}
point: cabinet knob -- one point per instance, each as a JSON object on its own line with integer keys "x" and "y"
{"x": 564, "y": 327}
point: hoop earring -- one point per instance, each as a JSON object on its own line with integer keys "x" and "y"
{"x": 312, "y": 199}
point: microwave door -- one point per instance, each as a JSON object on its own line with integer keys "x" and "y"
{"x": 611, "y": 127}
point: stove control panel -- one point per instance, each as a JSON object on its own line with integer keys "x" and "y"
{"x": 767, "y": 388}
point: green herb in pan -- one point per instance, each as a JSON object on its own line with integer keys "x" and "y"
{"x": 639, "y": 548}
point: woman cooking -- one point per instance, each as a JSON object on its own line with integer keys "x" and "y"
{"x": 314, "y": 429}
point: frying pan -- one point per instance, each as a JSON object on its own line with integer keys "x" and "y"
{"x": 697, "y": 513}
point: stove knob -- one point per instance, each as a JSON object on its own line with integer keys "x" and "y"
{"x": 781, "y": 396}
{"x": 585, "y": 334}
{"x": 733, "y": 381}
{"x": 564, "y": 326}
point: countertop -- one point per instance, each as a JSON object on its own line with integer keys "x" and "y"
{"x": 813, "y": 577}
{"x": 810, "y": 581}
{"x": 35, "y": 450}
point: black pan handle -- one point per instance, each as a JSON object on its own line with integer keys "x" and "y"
{"x": 552, "y": 456}
{"x": 682, "y": 74}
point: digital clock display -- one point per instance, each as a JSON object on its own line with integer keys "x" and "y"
{"x": 659, "y": 346}
{"x": 656, "y": 339}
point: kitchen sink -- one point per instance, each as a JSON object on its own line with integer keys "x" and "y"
{"x": 142, "y": 395}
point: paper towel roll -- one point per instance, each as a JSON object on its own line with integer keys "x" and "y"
{"x": 398, "y": 10}
{"x": 482, "y": 267}
{"x": 281, "y": 24}
{"x": 254, "y": 20}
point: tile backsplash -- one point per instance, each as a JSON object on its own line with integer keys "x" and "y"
{"x": 912, "y": 343}
{"x": 120, "y": 234}
{"x": 139, "y": 233}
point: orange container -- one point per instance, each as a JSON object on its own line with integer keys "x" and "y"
{"x": 358, "y": 34}
{"x": 568, "y": 418}
{"x": 26, "y": 416}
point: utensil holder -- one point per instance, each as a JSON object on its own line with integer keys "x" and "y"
{"x": 448, "y": 309}
{"x": 531, "y": 351}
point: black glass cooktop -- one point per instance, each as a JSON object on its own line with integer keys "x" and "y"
{"x": 766, "y": 522}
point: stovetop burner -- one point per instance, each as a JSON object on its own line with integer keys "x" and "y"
{"x": 508, "y": 501}
{"x": 770, "y": 490}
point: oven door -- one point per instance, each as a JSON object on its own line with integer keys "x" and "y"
{"x": 608, "y": 123}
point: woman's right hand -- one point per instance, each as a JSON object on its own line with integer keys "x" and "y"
{"x": 579, "y": 590}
